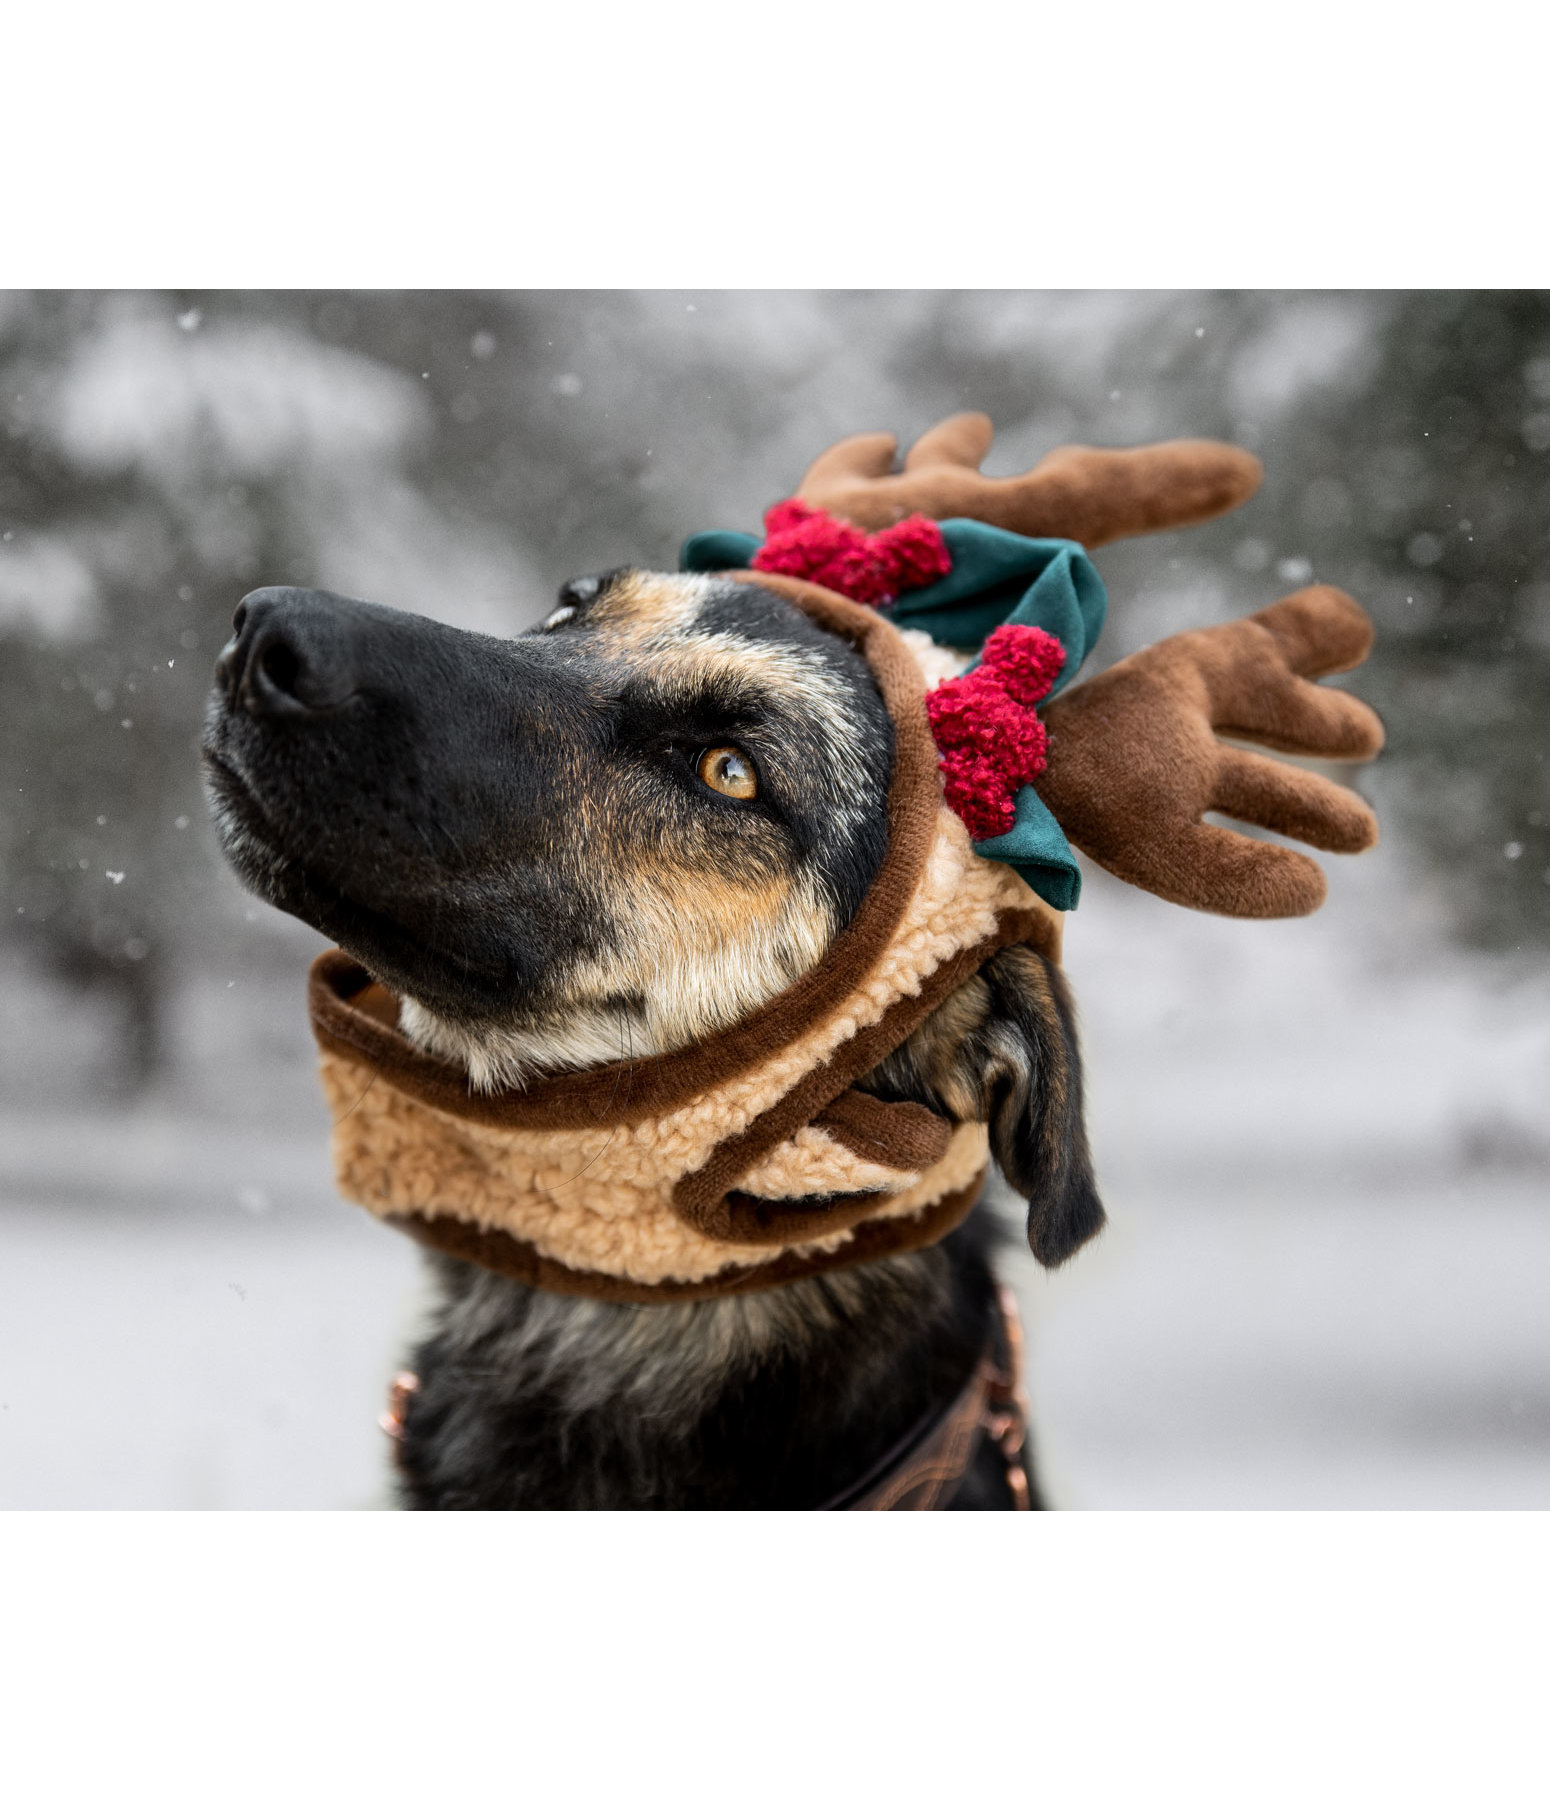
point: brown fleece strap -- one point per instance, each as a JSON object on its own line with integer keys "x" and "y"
{"x": 897, "y": 1133}
{"x": 503, "y": 1254}
{"x": 706, "y": 1197}
{"x": 358, "y": 1016}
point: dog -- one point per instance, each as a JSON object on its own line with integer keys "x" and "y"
{"x": 612, "y": 837}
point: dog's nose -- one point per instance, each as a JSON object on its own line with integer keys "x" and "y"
{"x": 290, "y": 654}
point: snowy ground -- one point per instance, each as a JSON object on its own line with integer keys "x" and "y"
{"x": 1326, "y": 1281}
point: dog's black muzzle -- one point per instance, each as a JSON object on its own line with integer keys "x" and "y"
{"x": 393, "y": 782}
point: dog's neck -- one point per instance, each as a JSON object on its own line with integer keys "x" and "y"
{"x": 773, "y": 1399}
{"x": 680, "y": 1001}
{"x": 776, "y": 1398}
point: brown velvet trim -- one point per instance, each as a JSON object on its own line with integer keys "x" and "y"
{"x": 505, "y": 1255}
{"x": 702, "y": 1198}
{"x": 348, "y": 1019}
{"x": 751, "y": 1219}
{"x": 896, "y": 1133}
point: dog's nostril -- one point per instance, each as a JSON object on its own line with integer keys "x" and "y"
{"x": 290, "y": 656}
{"x": 280, "y": 666}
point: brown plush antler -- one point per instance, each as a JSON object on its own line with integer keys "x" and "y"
{"x": 1093, "y": 496}
{"x": 1134, "y": 758}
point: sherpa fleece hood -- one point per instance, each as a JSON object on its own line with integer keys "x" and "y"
{"x": 737, "y": 1163}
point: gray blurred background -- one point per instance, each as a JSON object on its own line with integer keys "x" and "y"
{"x": 1324, "y": 1143}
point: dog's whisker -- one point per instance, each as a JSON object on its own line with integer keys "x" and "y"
{"x": 371, "y": 1083}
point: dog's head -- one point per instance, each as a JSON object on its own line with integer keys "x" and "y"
{"x": 623, "y": 830}
{"x": 614, "y": 835}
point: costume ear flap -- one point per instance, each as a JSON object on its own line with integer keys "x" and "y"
{"x": 1033, "y": 1091}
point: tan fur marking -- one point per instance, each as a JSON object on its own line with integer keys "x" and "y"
{"x": 640, "y": 606}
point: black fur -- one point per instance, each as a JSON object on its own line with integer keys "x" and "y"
{"x": 1033, "y": 1079}
{"x": 780, "y": 1399}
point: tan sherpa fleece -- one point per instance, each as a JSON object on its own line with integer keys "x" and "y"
{"x": 736, "y": 1168}
{"x": 603, "y": 1198}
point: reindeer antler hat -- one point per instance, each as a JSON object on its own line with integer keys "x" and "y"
{"x": 1126, "y": 767}
{"x": 751, "y": 1159}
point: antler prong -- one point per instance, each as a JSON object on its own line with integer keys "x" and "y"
{"x": 962, "y": 442}
{"x": 867, "y": 456}
{"x": 1093, "y": 496}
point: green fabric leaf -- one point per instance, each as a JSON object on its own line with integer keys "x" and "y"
{"x": 1036, "y": 848}
{"x": 999, "y": 578}
{"x": 707, "y": 552}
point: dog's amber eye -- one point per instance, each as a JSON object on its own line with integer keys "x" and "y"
{"x": 729, "y": 772}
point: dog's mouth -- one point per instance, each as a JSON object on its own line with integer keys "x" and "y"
{"x": 237, "y": 807}
{"x": 261, "y": 850}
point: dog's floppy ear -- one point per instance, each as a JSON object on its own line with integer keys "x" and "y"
{"x": 1025, "y": 1059}
{"x": 1003, "y": 1049}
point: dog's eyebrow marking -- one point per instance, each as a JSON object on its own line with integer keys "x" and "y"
{"x": 644, "y": 611}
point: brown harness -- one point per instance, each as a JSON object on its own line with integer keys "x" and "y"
{"x": 923, "y": 1471}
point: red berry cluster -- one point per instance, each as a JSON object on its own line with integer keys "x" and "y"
{"x": 803, "y": 540}
{"x": 989, "y": 741}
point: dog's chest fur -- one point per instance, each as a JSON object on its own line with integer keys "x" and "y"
{"x": 774, "y": 1399}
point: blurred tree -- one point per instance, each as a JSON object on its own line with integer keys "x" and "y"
{"x": 1425, "y": 489}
